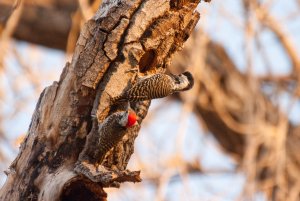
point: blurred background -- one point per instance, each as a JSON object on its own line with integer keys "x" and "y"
{"x": 234, "y": 136}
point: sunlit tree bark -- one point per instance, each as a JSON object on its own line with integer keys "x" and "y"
{"x": 122, "y": 35}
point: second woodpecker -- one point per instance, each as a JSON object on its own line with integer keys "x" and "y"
{"x": 156, "y": 86}
{"x": 110, "y": 132}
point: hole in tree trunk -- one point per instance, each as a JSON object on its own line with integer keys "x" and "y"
{"x": 79, "y": 190}
{"x": 148, "y": 61}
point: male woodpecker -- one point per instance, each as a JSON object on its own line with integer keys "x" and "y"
{"x": 109, "y": 133}
{"x": 156, "y": 86}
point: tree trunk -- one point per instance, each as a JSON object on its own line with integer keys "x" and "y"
{"x": 122, "y": 35}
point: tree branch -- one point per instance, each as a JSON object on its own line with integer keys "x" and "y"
{"x": 120, "y": 36}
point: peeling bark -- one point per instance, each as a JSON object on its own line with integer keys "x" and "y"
{"x": 122, "y": 35}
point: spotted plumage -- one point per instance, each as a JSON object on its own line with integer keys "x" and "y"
{"x": 109, "y": 133}
{"x": 156, "y": 86}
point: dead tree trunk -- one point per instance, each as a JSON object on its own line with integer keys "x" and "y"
{"x": 121, "y": 36}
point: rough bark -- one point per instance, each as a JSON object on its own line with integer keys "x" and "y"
{"x": 228, "y": 112}
{"x": 122, "y": 35}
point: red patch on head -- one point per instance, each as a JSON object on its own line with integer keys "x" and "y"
{"x": 131, "y": 119}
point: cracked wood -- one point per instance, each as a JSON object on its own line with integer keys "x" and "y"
{"x": 113, "y": 42}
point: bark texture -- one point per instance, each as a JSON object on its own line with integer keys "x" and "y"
{"x": 121, "y": 36}
{"x": 232, "y": 105}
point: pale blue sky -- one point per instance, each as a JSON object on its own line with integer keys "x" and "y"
{"x": 49, "y": 63}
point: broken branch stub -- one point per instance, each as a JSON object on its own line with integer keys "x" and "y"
{"x": 120, "y": 36}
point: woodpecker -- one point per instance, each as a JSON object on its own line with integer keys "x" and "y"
{"x": 156, "y": 86}
{"x": 109, "y": 133}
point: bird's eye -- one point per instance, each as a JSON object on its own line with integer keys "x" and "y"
{"x": 177, "y": 80}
